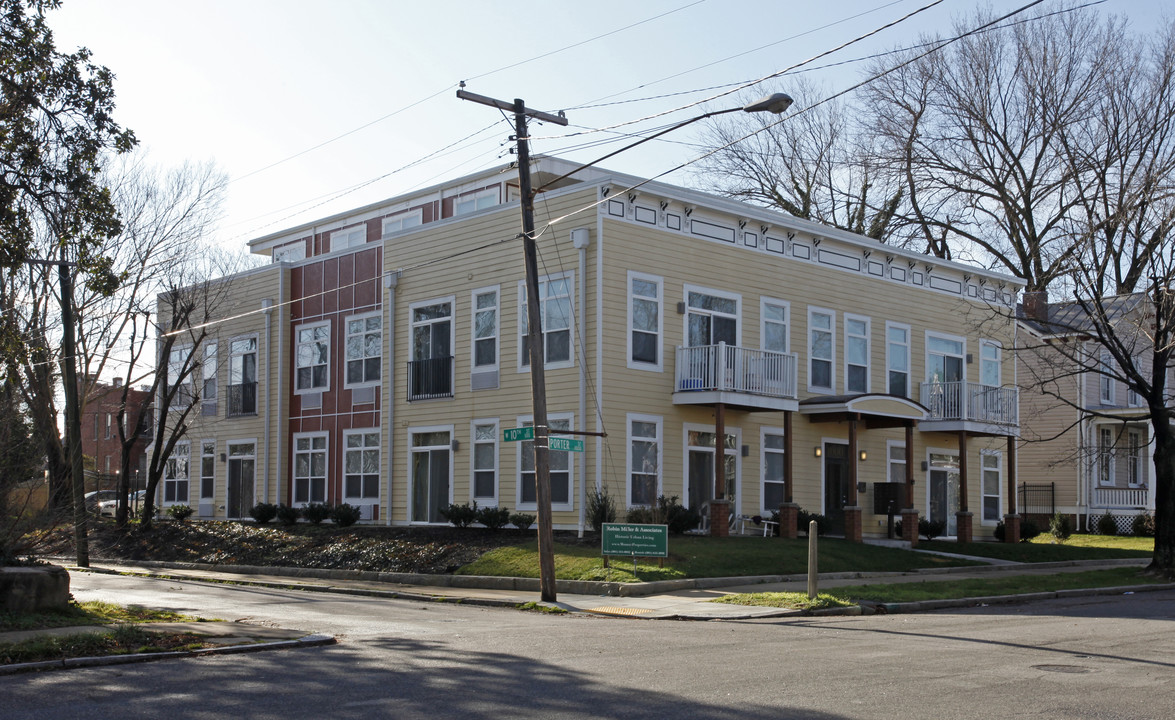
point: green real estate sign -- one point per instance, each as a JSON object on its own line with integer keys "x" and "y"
{"x": 635, "y": 539}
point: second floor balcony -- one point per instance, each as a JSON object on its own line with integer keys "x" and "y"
{"x": 972, "y": 407}
{"x": 430, "y": 378}
{"x": 738, "y": 376}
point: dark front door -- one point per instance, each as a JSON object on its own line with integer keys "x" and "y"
{"x": 836, "y": 485}
{"x": 240, "y": 487}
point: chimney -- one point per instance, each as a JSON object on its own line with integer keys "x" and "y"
{"x": 117, "y": 382}
{"x": 1036, "y": 305}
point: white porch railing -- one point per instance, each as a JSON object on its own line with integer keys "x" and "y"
{"x": 729, "y": 368}
{"x": 972, "y": 402}
{"x": 1135, "y": 498}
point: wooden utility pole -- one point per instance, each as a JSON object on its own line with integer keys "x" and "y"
{"x": 534, "y": 336}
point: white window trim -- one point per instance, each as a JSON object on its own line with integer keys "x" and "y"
{"x": 763, "y": 450}
{"x": 497, "y": 290}
{"x": 329, "y": 351}
{"x": 228, "y": 456}
{"x": 343, "y": 238}
{"x": 1105, "y": 380}
{"x": 660, "y": 442}
{"x": 952, "y": 338}
{"x": 344, "y": 449}
{"x": 1105, "y": 453}
{"x": 570, "y": 504}
{"x": 476, "y": 197}
{"x": 909, "y": 356}
{"x": 999, "y": 360}
{"x": 868, "y": 350}
{"x": 820, "y": 389}
{"x": 415, "y": 218}
{"x": 686, "y": 289}
{"x": 999, "y": 486}
{"x": 523, "y": 366}
{"x": 737, "y": 432}
{"x": 890, "y": 445}
{"x": 176, "y": 398}
{"x": 763, "y": 303}
{"x": 494, "y": 501}
{"x": 347, "y": 336}
{"x": 657, "y": 280}
{"x": 408, "y": 473}
{"x": 294, "y": 465}
{"x": 212, "y": 349}
{"x": 165, "y": 480}
{"x": 930, "y": 466}
{"x": 200, "y": 490}
{"x": 1134, "y": 460}
{"x": 294, "y": 252}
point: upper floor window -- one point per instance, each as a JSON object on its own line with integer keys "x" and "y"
{"x": 555, "y": 311}
{"x": 312, "y": 357}
{"x": 944, "y": 359}
{"x": 179, "y": 377}
{"x": 242, "y": 376}
{"x": 897, "y": 359}
{"x": 821, "y": 349}
{"x": 431, "y": 368}
{"x": 1106, "y": 379}
{"x": 479, "y": 200}
{"x": 485, "y": 328}
{"x": 290, "y": 253}
{"x": 364, "y": 349}
{"x": 402, "y": 221}
{"x": 774, "y": 319}
{"x": 856, "y": 354}
{"x": 644, "y": 321}
{"x": 208, "y": 374}
{"x": 989, "y": 363}
{"x": 353, "y": 236}
{"x": 711, "y": 317}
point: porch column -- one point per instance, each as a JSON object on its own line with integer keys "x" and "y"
{"x": 1012, "y": 519}
{"x": 852, "y": 510}
{"x": 719, "y": 506}
{"x": 963, "y": 517}
{"x": 909, "y": 512}
{"x": 789, "y": 512}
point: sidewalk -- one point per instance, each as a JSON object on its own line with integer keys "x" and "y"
{"x": 664, "y": 600}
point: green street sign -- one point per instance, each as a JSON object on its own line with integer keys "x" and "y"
{"x": 565, "y": 444}
{"x": 516, "y": 434}
{"x": 634, "y": 539}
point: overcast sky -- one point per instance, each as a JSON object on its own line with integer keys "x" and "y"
{"x": 315, "y": 107}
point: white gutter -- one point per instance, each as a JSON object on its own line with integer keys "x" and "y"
{"x": 599, "y": 349}
{"x": 281, "y": 298}
{"x": 388, "y": 401}
{"x": 581, "y": 238}
{"x": 267, "y": 304}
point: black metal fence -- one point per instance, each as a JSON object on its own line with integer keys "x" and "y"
{"x": 1037, "y": 502}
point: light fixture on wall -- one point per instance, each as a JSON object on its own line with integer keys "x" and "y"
{"x": 864, "y": 456}
{"x": 819, "y": 451}
{"x": 455, "y": 445}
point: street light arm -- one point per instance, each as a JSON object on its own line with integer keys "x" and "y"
{"x": 775, "y": 104}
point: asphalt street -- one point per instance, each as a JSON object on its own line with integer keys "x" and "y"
{"x": 1091, "y": 657}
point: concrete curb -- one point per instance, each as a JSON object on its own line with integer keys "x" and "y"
{"x": 68, "y": 663}
{"x": 925, "y": 605}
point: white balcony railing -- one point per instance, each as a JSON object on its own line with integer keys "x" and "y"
{"x": 972, "y": 402}
{"x": 729, "y": 368}
{"x": 1135, "y": 498}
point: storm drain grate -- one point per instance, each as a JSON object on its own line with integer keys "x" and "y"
{"x": 1076, "y": 669}
{"x": 620, "y": 611}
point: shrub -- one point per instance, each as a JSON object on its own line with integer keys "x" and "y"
{"x": 1107, "y": 525}
{"x": 678, "y": 518}
{"x": 1028, "y": 530}
{"x": 522, "y": 521}
{"x": 1143, "y": 525}
{"x": 930, "y": 529}
{"x": 1060, "y": 527}
{"x": 462, "y": 515}
{"x": 1001, "y": 531}
{"x": 823, "y": 523}
{"x": 641, "y": 515}
{"x": 264, "y": 512}
{"x": 344, "y": 514}
{"x": 494, "y": 518}
{"x": 601, "y": 508}
{"x": 180, "y": 513}
{"x": 287, "y": 515}
{"x": 315, "y": 513}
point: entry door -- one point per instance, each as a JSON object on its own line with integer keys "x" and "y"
{"x": 701, "y": 468}
{"x": 944, "y": 498}
{"x": 430, "y": 484}
{"x": 836, "y": 484}
{"x": 241, "y": 478}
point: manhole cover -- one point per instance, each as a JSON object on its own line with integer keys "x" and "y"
{"x": 1075, "y": 669}
{"x": 619, "y": 611}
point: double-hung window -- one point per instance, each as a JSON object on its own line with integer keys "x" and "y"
{"x": 309, "y": 468}
{"x": 991, "y": 486}
{"x": 364, "y": 354}
{"x": 361, "y": 465}
{"x": 774, "y": 319}
{"x": 821, "y": 349}
{"x": 485, "y": 462}
{"x": 644, "y": 460}
{"x": 207, "y": 469}
{"x": 644, "y": 321}
{"x": 897, "y": 359}
{"x": 242, "y": 377}
{"x": 1106, "y": 379}
{"x": 485, "y": 329}
{"x": 773, "y": 462}
{"x": 175, "y": 475}
{"x": 208, "y": 377}
{"x": 856, "y": 354}
{"x": 312, "y": 357}
{"x": 555, "y": 312}
{"x": 1134, "y": 457}
{"x": 179, "y": 377}
{"x": 1105, "y": 453}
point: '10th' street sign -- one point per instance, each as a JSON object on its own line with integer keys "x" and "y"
{"x": 558, "y": 444}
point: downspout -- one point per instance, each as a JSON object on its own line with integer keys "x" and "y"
{"x": 267, "y": 304}
{"x": 388, "y": 401}
{"x": 600, "y": 350}
{"x": 281, "y": 363}
{"x": 1084, "y": 467}
{"x": 580, "y": 239}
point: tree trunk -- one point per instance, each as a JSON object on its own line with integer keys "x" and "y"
{"x": 1163, "y": 559}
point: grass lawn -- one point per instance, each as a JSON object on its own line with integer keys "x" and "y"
{"x": 88, "y": 613}
{"x": 1043, "y": 549}
{"x": 701, "y": 557}
{"x": 945, "y": 589}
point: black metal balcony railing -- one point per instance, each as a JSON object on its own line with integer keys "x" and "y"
{"x": 242, "y": 399}
{"x": 431, "y": 378}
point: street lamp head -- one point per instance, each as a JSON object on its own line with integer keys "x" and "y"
{"x": 775, "y": 103}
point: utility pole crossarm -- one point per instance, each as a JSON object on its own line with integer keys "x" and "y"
{"x": 510, "y": 107}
